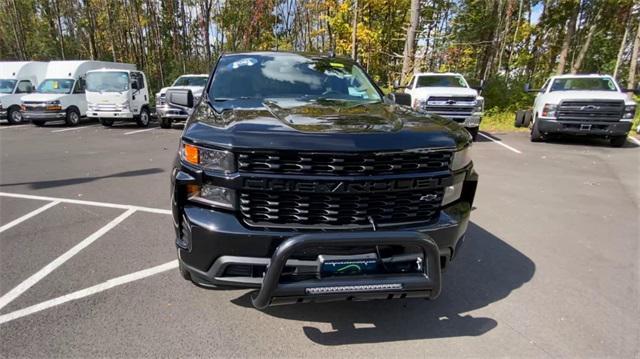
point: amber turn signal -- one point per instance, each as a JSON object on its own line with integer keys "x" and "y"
{"x": 191, "y": 154}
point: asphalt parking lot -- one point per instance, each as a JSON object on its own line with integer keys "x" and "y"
{"x": 87, "y": 260}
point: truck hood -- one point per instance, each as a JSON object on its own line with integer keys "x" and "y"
{"x": 196, "y": 90}
{"x": 557, "y": 96}
{"x": 284, "y": 125}
{"x": 424, "y": 92}
{"x": 42, "y": 97}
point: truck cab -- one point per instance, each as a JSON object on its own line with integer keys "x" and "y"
{"x": 168, "y": 114}
{"x": 592, "y": 105}
{"x": 61, "y": 95}
{"x": 18, "y": 78}
{"x": 118, "y": 95}
{"x": 447, "y": 95}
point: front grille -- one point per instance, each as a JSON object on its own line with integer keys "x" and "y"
{"x": 600, "y": 110}
{"x": 449, "y": 109}
{"x": 337, "y": 164}
{"x": 344, "y": 211}
{"x": 452, "y": 98}
{"x": 106, "y": 107}
{"x": 450, "y": 106}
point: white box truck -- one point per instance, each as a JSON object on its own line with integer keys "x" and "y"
{"x": 448, "y": 95}
{"x": 18, "y": 78}
{"x": 118, "y": 95}
{"x": 61, "y": 95}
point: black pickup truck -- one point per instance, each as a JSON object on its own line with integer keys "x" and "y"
{"x": 298, "y": 177}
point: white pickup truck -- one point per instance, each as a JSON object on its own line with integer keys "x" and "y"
{"x": 447, "y": 95}
{"x": 168, "y": 114}
{"x": 580, "y": 105}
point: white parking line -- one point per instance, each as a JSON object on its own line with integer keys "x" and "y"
{"x": 73, "y": 128}
{"x": 35, "y": 278}
{"x": 635, "y": 140}
{"x": 28, "y": 215}
{"x": 89, "y": 291}
{"x": 7, "y": 127}
{"x": 138, "y": 131}
{"x": 500, "y": 143}
{"x": 87, "y": 203}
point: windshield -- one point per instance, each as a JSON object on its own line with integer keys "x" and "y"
{"x": 440, "y": 81}
{"x": 107, "y": 81}
{"x": 55, "y": 86}
{"x": 6, "y": 86}
{"x": 290, "y": 76}
{"x": 191, "y": 81}
{"x": 584, "y": 84}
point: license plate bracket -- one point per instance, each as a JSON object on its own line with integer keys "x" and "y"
{"x": 337, "y": 265}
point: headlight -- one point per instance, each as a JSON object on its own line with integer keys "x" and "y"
{"x": 461, "y": 158}
{"x": 479, "y": 107}
{"x": 549, "y": 110}
{"x": 207, "y": 158}
{"x": 629, "y": 112}
{"x": 212, "y": 195}
{"x": 419, "y": 104}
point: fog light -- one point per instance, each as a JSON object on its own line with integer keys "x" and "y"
{"x": 213, "y": 195}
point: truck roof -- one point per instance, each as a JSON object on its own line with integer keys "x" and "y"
{"x": 107, "y": 69}
{"x": 76, "y": 68}
{"x": 578, "y": 75}
{"x": 195, "y": 75}
{"x": 437, "y": 74}
{"x": 12, "y": 69}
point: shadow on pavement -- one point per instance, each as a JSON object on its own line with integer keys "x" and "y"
{"x": 81, "y": 180}
{"x": 487, "y": 270}
{"x": 585, "y": 141}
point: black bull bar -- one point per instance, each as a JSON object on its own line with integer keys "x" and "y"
{"x": 424, "y": 284}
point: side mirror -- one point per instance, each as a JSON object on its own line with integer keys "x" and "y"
{"x": 527, "y": 88}
{"x": 480, "y": 87}
{"x": 400, "y": 98}
{"x": 179, "y": 98}
{"x": 636, "y": 91}
{"x": 397, "y": 85}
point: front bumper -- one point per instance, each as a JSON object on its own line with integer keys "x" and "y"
{"x": 44, "y": 115}
{"x": 171, "y": 112}
{"x": 127, "y": 115}
{"x": 3, "y": 114}
{"x": 592, "y": 128}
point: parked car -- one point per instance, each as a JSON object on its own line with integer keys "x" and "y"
{"x": 592, "y": 105}
{"x": 300, "y": 178}
{"x": 61, "y": 95}
{"x": 118, "y": 95}
{"x": 168, "y": 114}
{"x": 447, "y": 95}
{"x": 16, "y": 80}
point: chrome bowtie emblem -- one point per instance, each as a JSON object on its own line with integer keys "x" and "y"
{"x": 451, "y": 102}
{"x": 428, "y": 197}
{"x": 590, "y": 107}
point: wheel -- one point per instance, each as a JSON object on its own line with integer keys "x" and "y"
{"x": 183, "y": 271}
{"x": 618, "y": 141}
{"x": 473, "y": 131}
{"x": 536, "y": 135}
{"x": 526, "y": 120}
{"x": 106, "y": 122}
{"x": 165, "y": 122}
{"x": 519, "y": 118}
{"x": 143, "y": 118}
{"x": 73, "y": 117}
{"x": 38, "y": 123}
{"x": 14, "y": 115}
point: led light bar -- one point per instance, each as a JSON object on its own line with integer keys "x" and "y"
{"x": 353, "y": 289}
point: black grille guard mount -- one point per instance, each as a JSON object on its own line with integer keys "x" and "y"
{"x": 425, "y": 284}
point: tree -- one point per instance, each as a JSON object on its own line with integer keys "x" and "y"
{"x": 566, "y": 42}
{"x": 634, "y": 60}
{"x": 409, "y": 52}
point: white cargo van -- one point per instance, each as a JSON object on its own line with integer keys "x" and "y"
{"x": 16, "y": 80}
{"x": 114, "y": 95}
{"x": 61, "y": 95}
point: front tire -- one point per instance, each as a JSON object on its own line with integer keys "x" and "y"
{"x": 519, "y": 118}
{"x": 73, "y": 117}
{"x": 14, "y": 116}
{"x": 473, "y": 131}
{"x": 618, "y": 141}
{"x": 143, "y": 118}
{"x": 165, "y": 122}
{"x": 536, "y": 135}
{"x": 106, "y": 122}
